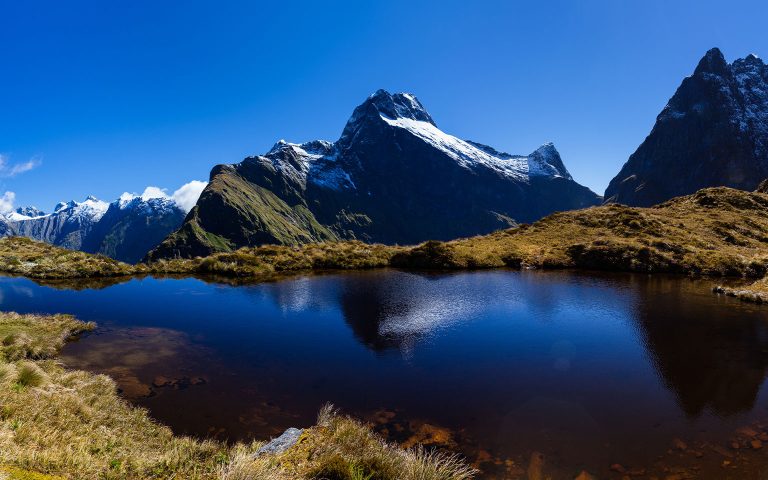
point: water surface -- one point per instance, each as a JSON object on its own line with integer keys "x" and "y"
{"x": 588, "y": 369}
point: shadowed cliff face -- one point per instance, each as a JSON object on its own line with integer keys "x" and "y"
{"x": 713, "y": 132}
{"x": 392, "y": 177}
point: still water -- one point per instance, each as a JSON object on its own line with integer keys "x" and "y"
{"x": 590, "y": 370}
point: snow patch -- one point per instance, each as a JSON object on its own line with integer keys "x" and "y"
{"x": 471, "y": 155}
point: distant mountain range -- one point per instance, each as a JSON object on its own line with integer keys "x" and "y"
{"x": 713, "y": 132}
{"x": 392, "y": 177}
{"x": 125, "y": 229}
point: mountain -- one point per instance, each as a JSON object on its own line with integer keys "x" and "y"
{"x": 392, "y": 177}
{"x": 24, "y": 213}
{"x": 68, "y": 226}
{"x": 125, "y": 229}
{"x": 132, "y": 226}
{"x": 6, "y": 228}
{"x": 713, "y": 132}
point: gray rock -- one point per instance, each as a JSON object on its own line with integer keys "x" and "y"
{"x": 281, "y": 443}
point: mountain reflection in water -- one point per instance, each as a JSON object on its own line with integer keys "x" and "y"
{"x": 589, "y": 369}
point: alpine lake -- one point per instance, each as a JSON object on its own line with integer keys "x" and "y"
{"x": 524, "y": 373}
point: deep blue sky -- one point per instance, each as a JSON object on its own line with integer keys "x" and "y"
{"x": 106, "y": 97}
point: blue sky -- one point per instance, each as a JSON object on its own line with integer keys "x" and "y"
{"x": 105, "y": 97}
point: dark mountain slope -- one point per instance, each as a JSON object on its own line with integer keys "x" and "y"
{"x": 713, "y": 132}
{"x": 392, "y": 177}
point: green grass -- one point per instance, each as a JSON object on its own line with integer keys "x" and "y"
{"x": 73, "y": 424}
{"x": 716, "y": 231}
{"x": 22, "y": 256}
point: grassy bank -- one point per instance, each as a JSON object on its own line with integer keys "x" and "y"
{"x": 59, "y": 423}
{"x": 22, "y": 256}
{"x": 756, "y": 292}
{"x": 716, "y": 231}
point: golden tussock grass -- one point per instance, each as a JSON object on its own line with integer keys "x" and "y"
{"x": 716, "y": 231}
{"x": 73, "y": 424}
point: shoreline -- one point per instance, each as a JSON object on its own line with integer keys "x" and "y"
{"x": 702, "y": 234}
{"x": 57, "y": 422}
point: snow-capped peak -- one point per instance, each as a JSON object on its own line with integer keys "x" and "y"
{"x": 90, "y": 208}
{"x": 158, "y": 198}
{"x": 125, "y": 199}
{"x": 545, "y": 161}
{"x": 384, "y": 104}
{"x": 25, "y": 213}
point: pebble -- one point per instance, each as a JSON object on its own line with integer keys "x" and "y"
{"x": 756, "y": 444}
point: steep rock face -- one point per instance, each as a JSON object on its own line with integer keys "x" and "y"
{"x": 68, "y": 226}
{"x": 6, "y": 228}
{"x": 392, "y": 177}
{"x": 125, "y": 229}
{"x": 713, "y": 132}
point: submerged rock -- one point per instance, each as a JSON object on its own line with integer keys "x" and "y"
{"x": 281, "y": 443}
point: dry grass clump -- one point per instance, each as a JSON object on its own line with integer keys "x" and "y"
{"x": 340, "y": 448}
{"x": 22, "y": 256}
{"x": 272, "y": 259}
{"x": 36, "y": 336}
{"x": 74, "y": 424}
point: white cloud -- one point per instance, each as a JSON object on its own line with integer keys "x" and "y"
{"x": 6, "y": 202}
{"x": 11, "y": 170}
{"x": 186, "y": 196}
{"x": 154, "y": 192}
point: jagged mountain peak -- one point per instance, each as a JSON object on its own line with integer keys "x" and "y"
{"x": 30, "y": 211}
{"x": 392, "y": 177}
{"x": 712, "y": 62}
{"x": 752, "y": 59}
{"x": 383, "y": 105}
{"x": 547, "y": 154}
{"x": 713, "y": 132}
{"x": 311, "y": 148}
{"x": 399, "y": 105}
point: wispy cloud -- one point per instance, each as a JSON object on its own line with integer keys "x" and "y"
{"x": 8, "y": 169}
